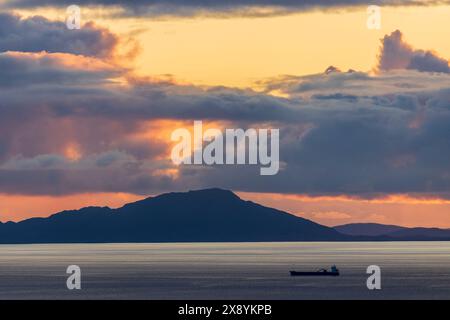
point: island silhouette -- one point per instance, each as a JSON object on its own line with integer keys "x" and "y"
{"x": 210, "y": 215}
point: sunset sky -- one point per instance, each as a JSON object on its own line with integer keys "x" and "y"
{"x": 86, "y": 115}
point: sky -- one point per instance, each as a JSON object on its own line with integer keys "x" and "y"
{"x": 86, "y": 115}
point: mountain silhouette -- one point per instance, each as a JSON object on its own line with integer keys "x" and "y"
{"x": 367, "y": 229}
{"x": 209, "y": 215}
{"x": 393, "y": 232}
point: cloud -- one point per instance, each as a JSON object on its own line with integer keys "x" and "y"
{"x": 36, "y": 34}
{"x": 37, "y": 69}
{"x": 355, "y": 85}
{"x": 373, "y": 135}
{"x": 61, "y": 81}
{"x": 395, "y": 53}
{"x": 216, "y": 7}
{"x": 60, "y": 111}
{"x": 111, "y": 158}
{"x": 71, "y": 123}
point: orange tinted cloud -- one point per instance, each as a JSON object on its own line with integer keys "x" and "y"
{"x": 390, "y": 198}
{"x": 64, "y": 60}
{"x": 72, "y": 152}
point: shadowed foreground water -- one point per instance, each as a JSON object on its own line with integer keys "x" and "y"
{"x": 410, "y": 270}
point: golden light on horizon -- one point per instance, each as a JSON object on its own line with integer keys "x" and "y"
{"x": 399, "y": 209}
{"x": 410, "y": 212}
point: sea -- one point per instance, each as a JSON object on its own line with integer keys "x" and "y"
{"x": 257, "y": 271}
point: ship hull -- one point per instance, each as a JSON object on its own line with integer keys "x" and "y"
{"x": 318, "y": 273}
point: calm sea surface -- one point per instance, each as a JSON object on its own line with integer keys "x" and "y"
{"x": 410, "y": 270}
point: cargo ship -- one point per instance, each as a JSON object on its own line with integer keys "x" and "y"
{"x": 321, "y": 272}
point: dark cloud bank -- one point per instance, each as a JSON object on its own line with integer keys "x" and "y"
{"x": 216, "y": 7}
{"x": 341, "y": 132}
{"x": 37, "y": 34}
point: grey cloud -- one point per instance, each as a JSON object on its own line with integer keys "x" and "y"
{"x": 35, "y": 34}
{"x": 397, "y": 54}
{"x": 61, "y": 91}
{"x": 23, "y": 69}
{"x": 356, "y": 84}
{"x": 41, "y": 96}
{"x": 63, "y": 182}
{"x": 111, "y": 158}
{"x": 354, "y": 150}
{"x": 216, "y": 7}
